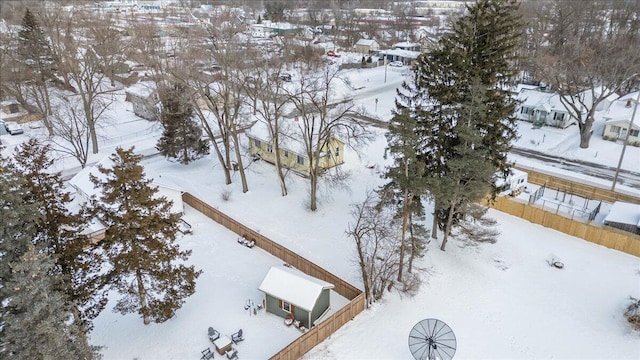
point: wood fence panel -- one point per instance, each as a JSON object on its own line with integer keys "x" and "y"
{"x": 602, "y": 235}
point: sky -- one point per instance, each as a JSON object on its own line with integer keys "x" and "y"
{"x": 503, "y": 301}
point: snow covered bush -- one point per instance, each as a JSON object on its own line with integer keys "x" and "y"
{"x": 633, "y": 313}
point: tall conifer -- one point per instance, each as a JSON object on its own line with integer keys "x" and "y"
{"x": 145, "y": 263}
{"x": 182, "y": 135}
{"x": 460, "y": 92}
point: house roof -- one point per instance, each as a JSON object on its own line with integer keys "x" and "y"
{"x": 402, "y": 53}
{"x": 142, "y": 89}
{"x": 83, "y": 185}
{"x": 620, "y": 112}
{"x": 541, "y": 100}
{"x": 293, "y": 286}
{"x": 624, "y": 213}
{"x": 366, "y": 42}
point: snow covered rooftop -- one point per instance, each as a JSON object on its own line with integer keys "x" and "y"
{"x": 402, "y": 53}
{"x": 365, "y": 42}
{"x": 142, "y": 89}
{"x": 622, "y": 109}
{"x": 624, "y": 213}
{"x": 293, "y": 286}
{"x": 539, "y": 99}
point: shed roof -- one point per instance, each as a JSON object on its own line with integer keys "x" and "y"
{"x": 293, "y": 286}
{"x": 624, "y": 213}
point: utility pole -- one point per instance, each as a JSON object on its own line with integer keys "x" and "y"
{"x": 626, "y": 140}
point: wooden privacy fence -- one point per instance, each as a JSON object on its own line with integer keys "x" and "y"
{"x": 570, "y": 186}
{"x": 325, "y": 328}
{"x": 602, "y": 235}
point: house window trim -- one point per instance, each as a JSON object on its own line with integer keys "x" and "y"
{"x": 286, "y": 306}
{"x": 299, "y": 160}
{"x": 257, "y": 143}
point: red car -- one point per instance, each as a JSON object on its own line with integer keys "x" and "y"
{"x": 332, "y": 54}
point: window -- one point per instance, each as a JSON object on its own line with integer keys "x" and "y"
{"x": 286, "y": 153}
{"x": 300, "y": 160}
{"x": 526, "y": 110}
{"x": 615, "y": 129}
{"x": 634, "y": 132}
{"x": 337, "y": 151}
{"x": 14, "y": 108}
{"x": 286, "y": 306}
{"x": 257, "y": 143}
{"x": 558, "y": 116}
{"x": 270, "y": 148}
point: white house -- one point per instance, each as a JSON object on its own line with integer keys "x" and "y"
{"x": 618, "y": 118}
{"x": 542, "y": 108}
{"x": 145, "y": 100}
{"x": 366, "y": 46}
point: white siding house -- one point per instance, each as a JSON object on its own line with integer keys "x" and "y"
{"x": 543, "y": 108}
{"x": 618, "y": 118}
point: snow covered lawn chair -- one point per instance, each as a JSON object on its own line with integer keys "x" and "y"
{"x": 206, "y": 354}
{"x": 213, "y": 334}
{"x": 237, "y": 337}
{"x": 232, "y": 354}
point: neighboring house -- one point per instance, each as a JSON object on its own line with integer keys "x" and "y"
{"x": 366, "y": 46}
{"x": 515, "y": 183}
{"x": 292, "y": 293}
{"x": 405, "y": 56}
{"x": 618, "y": 118}
{"x": 13, "y": 111}
{"x": 624, "y": 216}
{"x": 543, "y": 108}
{"x": 145, "y": 100}
{"x": 85, "y": 188}
{"x": 407, "y": 45}
{"x": 292, "y": 149}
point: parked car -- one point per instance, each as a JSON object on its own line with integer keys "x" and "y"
{"x": 331, "y": 53}
{"x": 285, "y": 77}
{"x": 396, "y": 64}
{"x": 13, "y": 128}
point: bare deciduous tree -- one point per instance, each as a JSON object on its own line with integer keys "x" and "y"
{"x": 373, "y": 229}
{"x": 71, "y": 128}
{"x": 324, "y": 117}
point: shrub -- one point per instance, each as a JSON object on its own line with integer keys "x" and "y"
{"x": 633, "y": 313}
{"x": 226, "y": 195}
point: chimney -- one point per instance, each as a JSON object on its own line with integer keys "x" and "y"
{"x": 628, "y": 103}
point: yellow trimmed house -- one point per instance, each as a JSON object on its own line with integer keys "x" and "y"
{"x": 292, "y": 150}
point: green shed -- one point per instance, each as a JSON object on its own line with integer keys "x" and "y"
{"x": 290, "y": 292}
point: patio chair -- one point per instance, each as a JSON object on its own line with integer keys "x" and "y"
{"x": 213, "y": 334}
{"x": 206, "y": 354}
{"x": 232, "y": 354}
{"x": 237, "y": 337}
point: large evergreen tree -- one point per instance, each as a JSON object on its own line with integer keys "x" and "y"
{"x": 461, "y": 99}
{"x": 36, "y": 321}
{"x": 182, "y": 135}
{"x": 35, "y": 55}
{"x": 405, "y": 178}
{"x": 59, "y": 232}
{"x": 144, "y": 260}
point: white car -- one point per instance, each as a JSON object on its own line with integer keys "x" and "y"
{"x": 13, "y": 128}
{"x": 396, "y": 64}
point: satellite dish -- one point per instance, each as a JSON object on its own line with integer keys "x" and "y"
{"x": 432, "y": 339}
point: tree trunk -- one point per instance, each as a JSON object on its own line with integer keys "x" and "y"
{"x": 278, "y": 161}
{"x": 447, "y": 228}
{"x": 236, "y": 145}
{"x": 585, "y": 133}
{"x": 412, "y": 255}
{"x": 405, "y": 218}
{"x": 314, "y": 185}
{"x": 142, "y": 296}
{"x": 434, "y": 228}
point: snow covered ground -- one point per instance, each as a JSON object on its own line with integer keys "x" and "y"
{"x": 503, "y": 301}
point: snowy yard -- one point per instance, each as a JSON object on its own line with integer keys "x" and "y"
{"x": 503, "y": 301}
